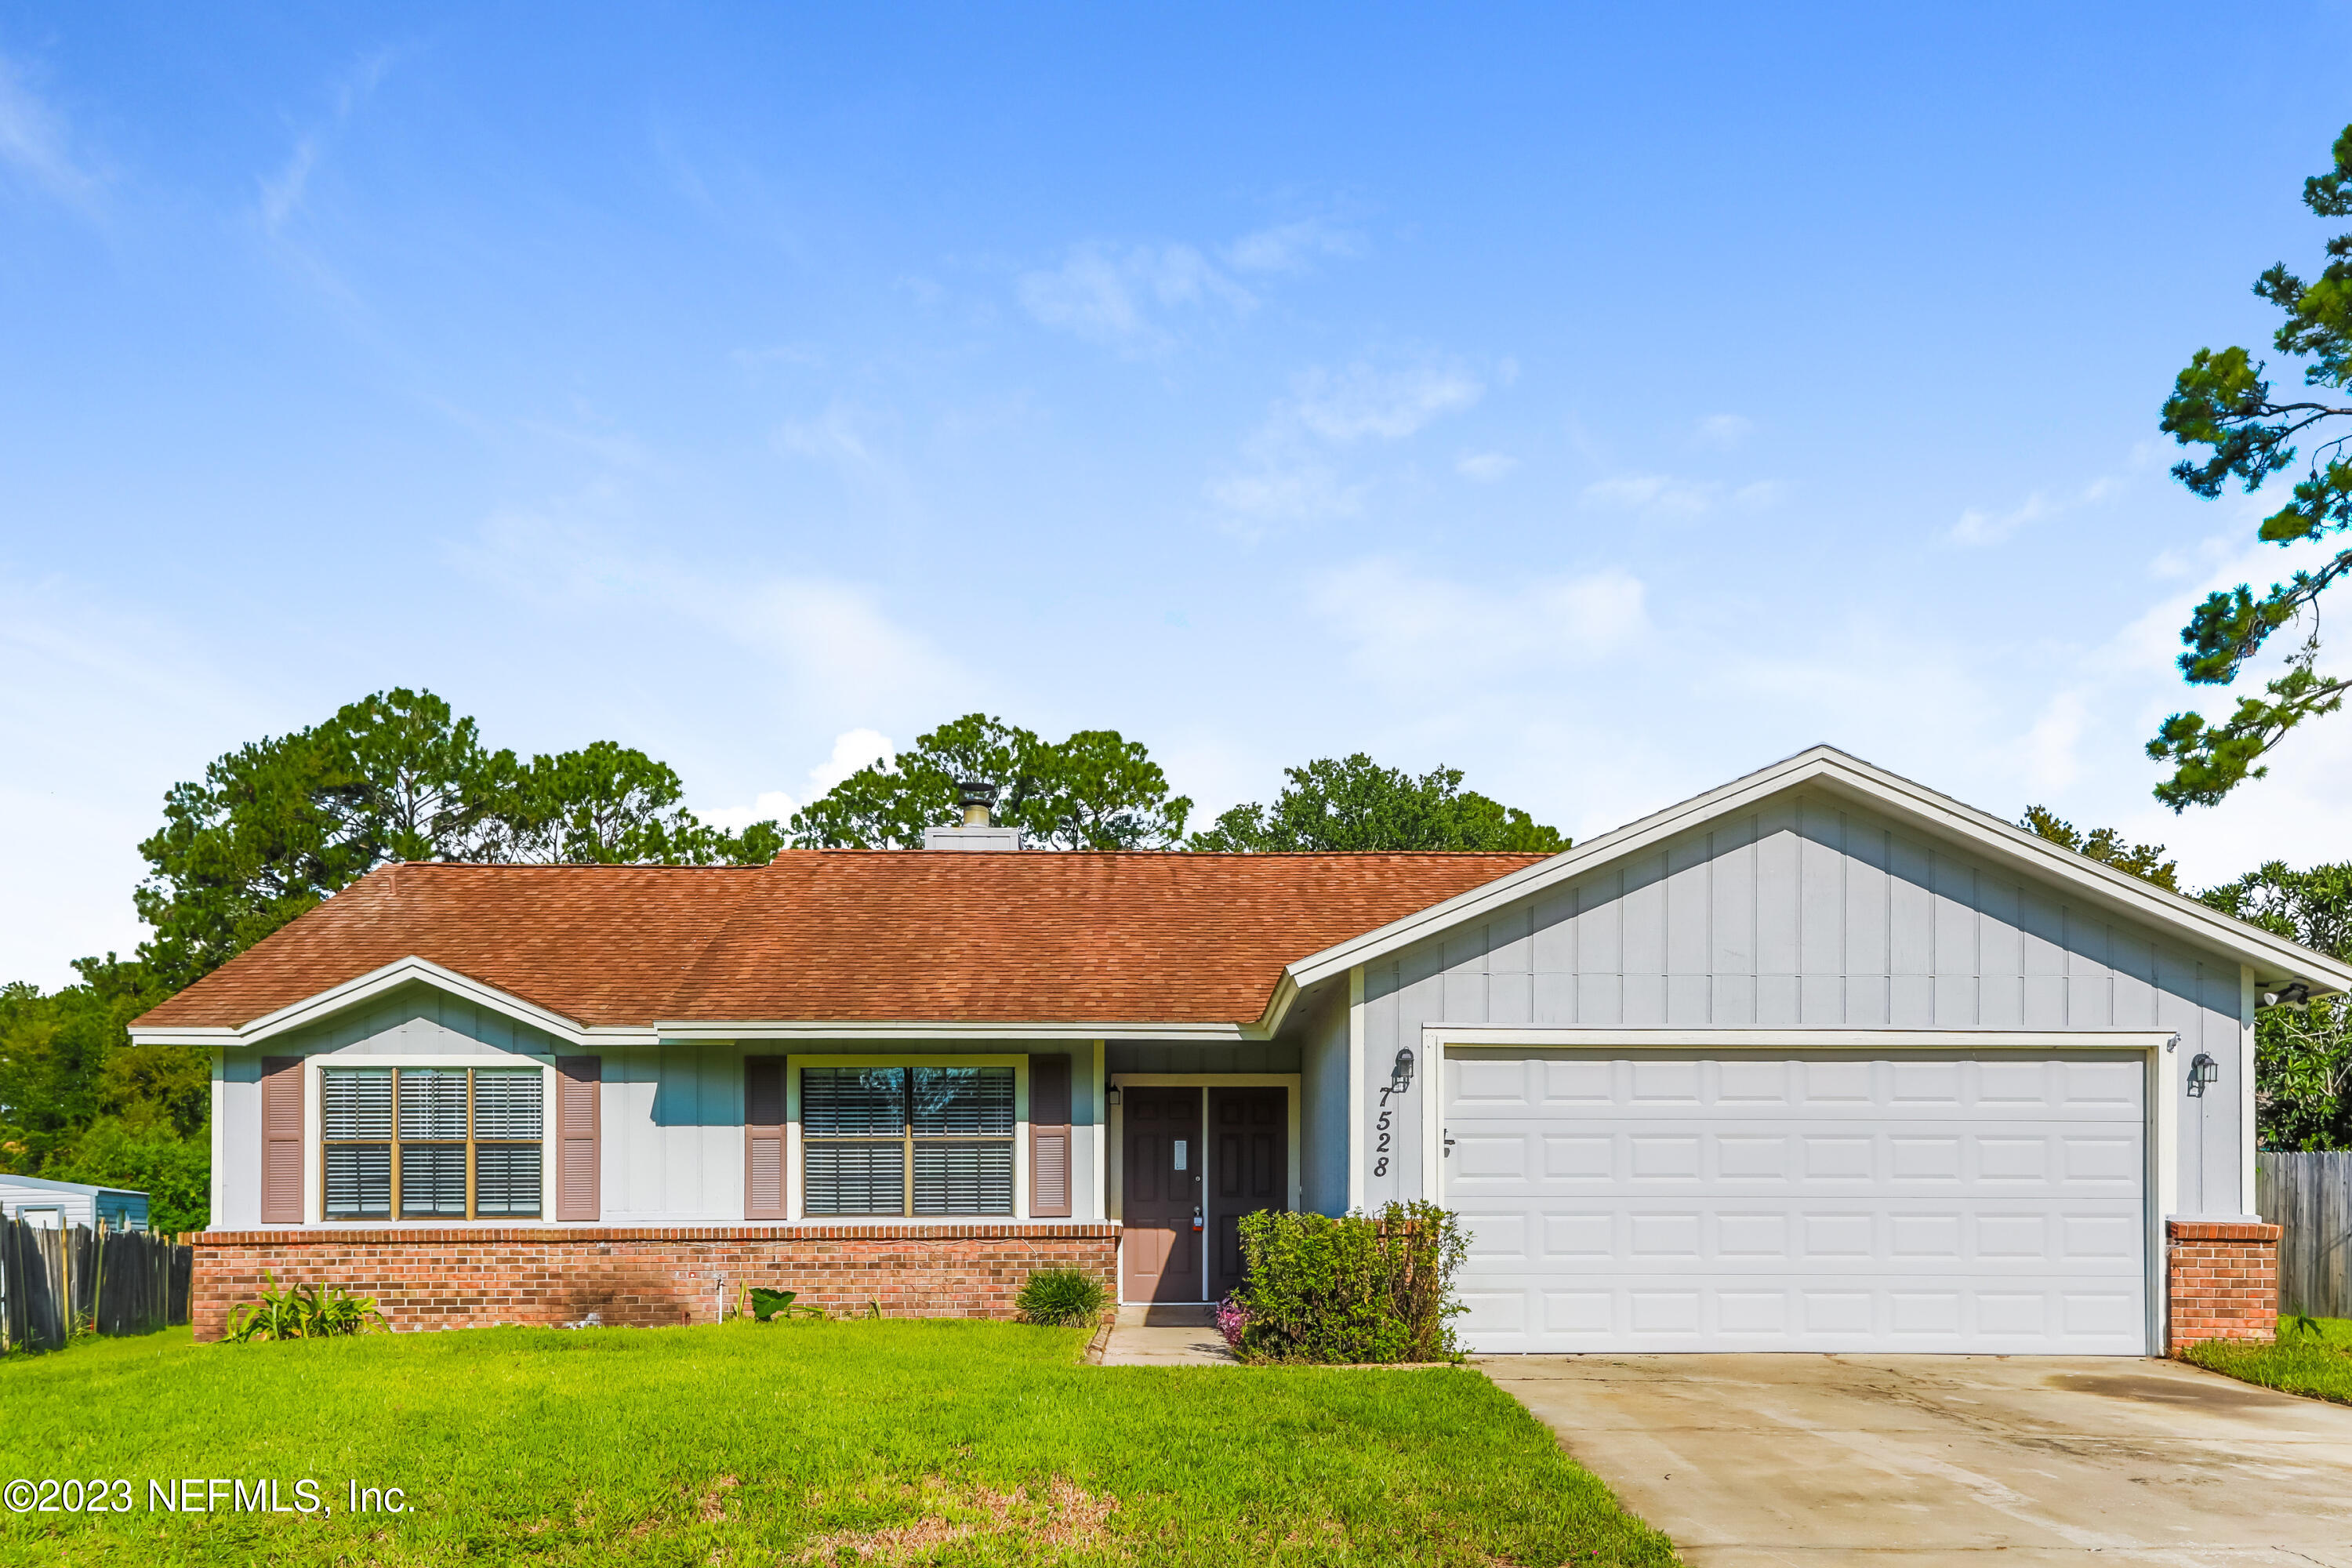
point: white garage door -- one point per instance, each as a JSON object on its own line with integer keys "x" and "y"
{"x": 1799, "y": 1201}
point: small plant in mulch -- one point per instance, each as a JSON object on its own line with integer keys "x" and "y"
{"x": 1061, "y": 1298}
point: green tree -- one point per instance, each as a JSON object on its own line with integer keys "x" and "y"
{"x": 2223, "y": 401}
{"x": 2105, "y": 846}
{"x": 1354, "y": 804}
{"x": 279, "y": 825}
{"x": 2303, "y": 1056}
{"x": 79, "y": 1103}
{"x": 1096, "y": 790}
{"x": 608, "y": 804}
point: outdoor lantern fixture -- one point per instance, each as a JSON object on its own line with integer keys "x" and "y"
{"x": 1113, "y": 1096}
{"x": 1401, "y": 1075}
{"x": 2202, "y": 1071}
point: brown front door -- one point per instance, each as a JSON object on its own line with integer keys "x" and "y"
{"x": 1249, "y": 1170}
{"x": 1161, "y": 1195}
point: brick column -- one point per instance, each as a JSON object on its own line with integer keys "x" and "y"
{"x": 2221, "y": 1281}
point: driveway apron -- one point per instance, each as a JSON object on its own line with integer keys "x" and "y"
{"x": 1934, "y": 1460}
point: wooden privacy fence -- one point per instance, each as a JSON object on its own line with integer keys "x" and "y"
{"x": 115, "y": 1282}
{"x": 2309, "y": 1198}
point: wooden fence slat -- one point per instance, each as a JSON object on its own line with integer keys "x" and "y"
{"x": 2309, "y": 1198}
{"x": 124, "y": 1283}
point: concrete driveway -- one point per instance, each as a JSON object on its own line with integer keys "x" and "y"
{"x": 1933, "y": 1460}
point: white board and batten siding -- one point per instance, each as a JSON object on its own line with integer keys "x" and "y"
{"x": 1795, "y": 1197}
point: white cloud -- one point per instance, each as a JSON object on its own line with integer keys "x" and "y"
{"x": 1290, "y": 246}
{"x": 1287, "y": 486}
{"x": 35, "y": 141}
{"x": 1290, "y": 470}
{"x": 852, "y": 749}
{"x": 1347, "y": 406}
{"x": 1670, "y": 496}
{"x": 1725, "y": 432}
{"x": 1977, "y": 526}
{"x": 1485, "y": 467}
{"x": 768, "y": 805}
{"x": 102, "y": 709}
{"x": 2049, "y": 754}
{"x": 1115, "y": 296}
{"x": 1414, "y": 628}
{"x": 831, "y": 644}
{"x": 285, "y": 192}
{"x": 1135, "y": 298}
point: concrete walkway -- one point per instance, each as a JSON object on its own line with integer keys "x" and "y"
{"x": 1167, "y": 1336}
{"x": 1939, "y": 1461}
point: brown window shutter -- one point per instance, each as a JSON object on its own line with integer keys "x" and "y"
{"x": 1049, "y": 1136}
{"x": 764, "y": 1136}
{"x": 578, "y": 1195}
{"x": 281, "y": 1139}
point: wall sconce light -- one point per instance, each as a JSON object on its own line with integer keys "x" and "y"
{"x": 1401, "y": 1075}
{"x": 2202, "y": 1071}
{"x": 1112, "y": 1096}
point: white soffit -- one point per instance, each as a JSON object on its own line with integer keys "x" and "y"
{"x": 1833, "y": 771}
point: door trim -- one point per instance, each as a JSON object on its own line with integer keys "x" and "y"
{"x": 2160, "y": 1178}
{"x": 1117, "y": 1161}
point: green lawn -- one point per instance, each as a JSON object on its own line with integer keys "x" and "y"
{"x": 2315, "y": 1361}
{"x": 812, "y": 1442}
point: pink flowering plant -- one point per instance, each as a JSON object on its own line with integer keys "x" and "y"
{"x": 1230, "y": 1320}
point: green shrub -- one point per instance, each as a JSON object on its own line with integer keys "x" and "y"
{"x": 302, "y": 1313}
{"x": 1061, "y": 1297}
{"x": 1364, "y": 1288}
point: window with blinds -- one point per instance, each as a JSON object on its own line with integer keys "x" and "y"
{"x": 447, "y": 1142}
{"x": 907, "y": 1141}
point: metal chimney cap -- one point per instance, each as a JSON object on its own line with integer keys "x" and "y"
{"x": 975, "y": 792}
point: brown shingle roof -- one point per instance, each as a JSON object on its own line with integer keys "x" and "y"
{"x": 850, "y": 936}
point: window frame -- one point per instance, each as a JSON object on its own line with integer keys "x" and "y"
{"x": 796, "y": 1142}
{"x": 317, "y": 1142}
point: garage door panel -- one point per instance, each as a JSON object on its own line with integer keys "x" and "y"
{"x": 1804, "y": 1203}
{"x": 1491, "y": 1157}
{"x": 1577, "y": 1082}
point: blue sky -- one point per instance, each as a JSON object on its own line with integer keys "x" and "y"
{"x": 1603, "y": 402}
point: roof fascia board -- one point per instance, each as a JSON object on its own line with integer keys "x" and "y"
{"x": 1939, "y": 815}
{"x": 932, "y": 1029}
{"x": 205, "y": 1039}
{"x": 377, "y": 983}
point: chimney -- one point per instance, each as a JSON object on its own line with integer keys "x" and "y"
{"x": 977, "y": 797}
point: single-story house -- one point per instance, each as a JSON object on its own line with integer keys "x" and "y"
{"x": 59, "y": 1204}
{"x": 1819, "y": 1061}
